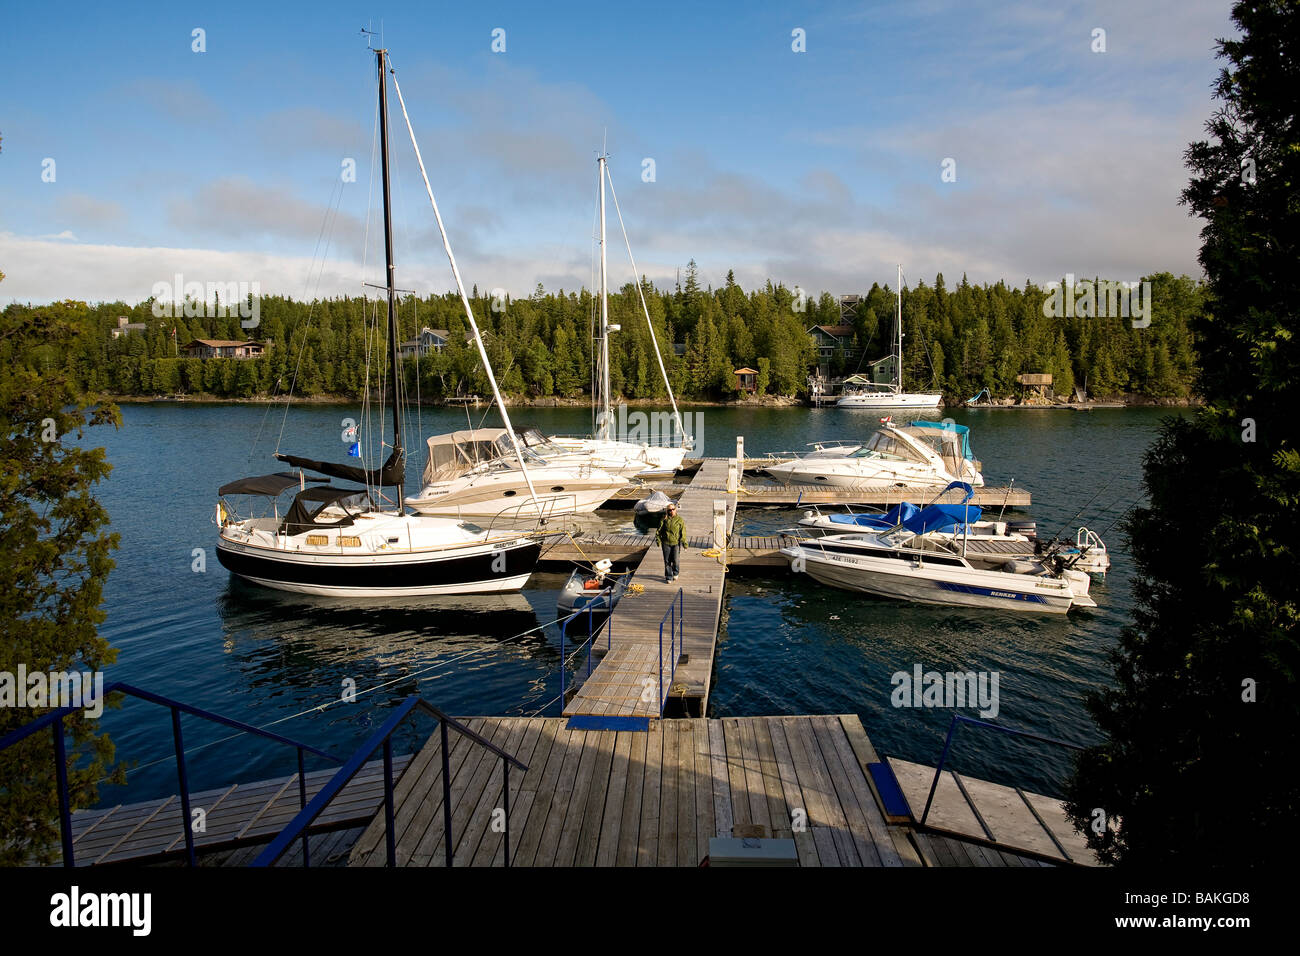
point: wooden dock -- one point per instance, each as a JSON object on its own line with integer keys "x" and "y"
{"x": 765, "y": 494}
{"x": 745, "y": 551}
{"x": 628, "y": 679}
{"x": 235, "y": 816}
{"x": 656, "y": 797}
{"x": 972, "y": 809}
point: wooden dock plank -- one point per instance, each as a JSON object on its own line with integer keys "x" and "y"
{"x": 562, "y": 803}
{"x": 527, "y": 798}
{"x": 669, "y": 791}
{"x": 539, "y": 815}
{"x": 736, "y": 778}
{"x": 593, "y": 816}
{"x": 823, "y": 785}
{"x": 869, "y": 815}
{"x": 720, "y": 774}
{"x": 777, "y": 812}
{"x": 794, "y": 800}
{"x": 648, "y": 844}
{"x": 687, "y": 783}
{"x": 704, "y": 807}
{"x": 629, "y": 827}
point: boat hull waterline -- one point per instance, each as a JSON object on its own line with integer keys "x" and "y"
{"x": 907, "y": 580}
{"x": 888, "y": 400}
{"x": 478, "y": 569}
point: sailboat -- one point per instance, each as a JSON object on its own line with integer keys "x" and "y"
{"x": 606, "y": 449}
{"x": 340, "y": 541}
{"x": 472, "y": 473}
{"x": 891, "y": 396}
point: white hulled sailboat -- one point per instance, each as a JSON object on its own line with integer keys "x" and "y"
{"x": 891, "y": 396}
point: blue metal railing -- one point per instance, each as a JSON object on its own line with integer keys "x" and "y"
{"x": 675, "y": 618}
{"x": 590, "y": 610}
{"x": 947, "y": 745}
{"x": 383, "y": 738}
{"x": 54, "y": 720}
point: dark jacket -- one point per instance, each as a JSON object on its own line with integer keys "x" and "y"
{"x": 672, "y": 531}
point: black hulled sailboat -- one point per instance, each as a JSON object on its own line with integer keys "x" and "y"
{"x": 338, "y": 541}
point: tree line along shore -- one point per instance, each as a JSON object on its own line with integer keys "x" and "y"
{"x": 959, "y": 341}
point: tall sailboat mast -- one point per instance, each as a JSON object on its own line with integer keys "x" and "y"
{"x": 380, "y": 60}
{"x": 606, "y": 411}
{"x": 899, "y": 376}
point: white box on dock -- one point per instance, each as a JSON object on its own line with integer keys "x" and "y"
{"x": 752, "y": 851}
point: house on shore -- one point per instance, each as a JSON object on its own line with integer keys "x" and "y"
{"x": 127, "y": 327}
{"x": 224, "y": 348}
{"x": 832, "y": 338}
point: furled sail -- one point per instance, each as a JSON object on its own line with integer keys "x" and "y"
{"x": 391, "y": 473}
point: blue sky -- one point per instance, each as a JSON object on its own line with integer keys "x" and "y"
{"x": 818, "y": 168}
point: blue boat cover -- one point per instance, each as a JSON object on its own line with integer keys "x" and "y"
{"x": 883, "y": 522}
{"x": 961, "y": 430}
{"x": 941, "y": 518}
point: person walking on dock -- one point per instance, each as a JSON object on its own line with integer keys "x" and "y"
{"x": 671, "y": 536}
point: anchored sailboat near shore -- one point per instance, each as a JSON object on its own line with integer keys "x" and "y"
{"x": 891, "y": 396}
{"x": 341, "y": 541}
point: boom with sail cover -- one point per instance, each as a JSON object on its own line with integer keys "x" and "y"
{"x": 391, "y": 473}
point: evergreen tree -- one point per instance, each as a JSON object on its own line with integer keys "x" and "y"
{"x": 53, "y": 534}
{"x": 1200, "y": 722}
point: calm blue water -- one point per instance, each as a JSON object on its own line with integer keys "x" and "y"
{"x": 788, "y": 645}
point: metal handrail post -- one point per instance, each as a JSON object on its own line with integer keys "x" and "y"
{"x": 185, "y": 788}
{"x": 563, "y": 628}
{"x": 390, "y": 837}
{"x": 65, "y": 807}
{"x": 446, "y": 793}
{"x": 952, "y": 729}
{"x": 661, "y": 668}
{"x": 505, "y": 790}
{"x": 934, "y": 784}
{"x": 302, "y": 803}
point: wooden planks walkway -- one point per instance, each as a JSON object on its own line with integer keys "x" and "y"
{"x": 236, "y": 815}
{"x": 649, "y": 798}
{"x": 1009, "y": 817}
{"x": 636, "y": 670}
{"x": 764, "y": 493}
{"x": 656, "y": 797}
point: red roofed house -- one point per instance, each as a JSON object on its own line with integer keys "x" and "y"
{"x": 224, "y": 348}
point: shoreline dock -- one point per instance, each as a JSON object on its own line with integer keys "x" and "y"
{"x": 633, "y": 773}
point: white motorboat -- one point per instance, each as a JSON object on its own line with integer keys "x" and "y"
{"x": 339, "y": 541}
{"x": 985, "y": 544}
{"x": 917, "y": 455}
{"x": 1088, "y": 553}
{"x": 472, "y": 473}
{"x": 656, "y": 459}
{"x": 892, "y": 565}
{"x": 891, "y": 396}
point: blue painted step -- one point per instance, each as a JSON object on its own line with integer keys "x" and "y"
{"x": 891, "y": 794}
{"x": 596, "y": 722}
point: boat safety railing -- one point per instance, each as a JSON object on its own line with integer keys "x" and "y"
{"x": 675, "y": 618}
{"x": 383, "y": 738}
{"x": 947, "y": 746}
{"x": 526, "y": 512}
{"x": 54, "y": 721}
